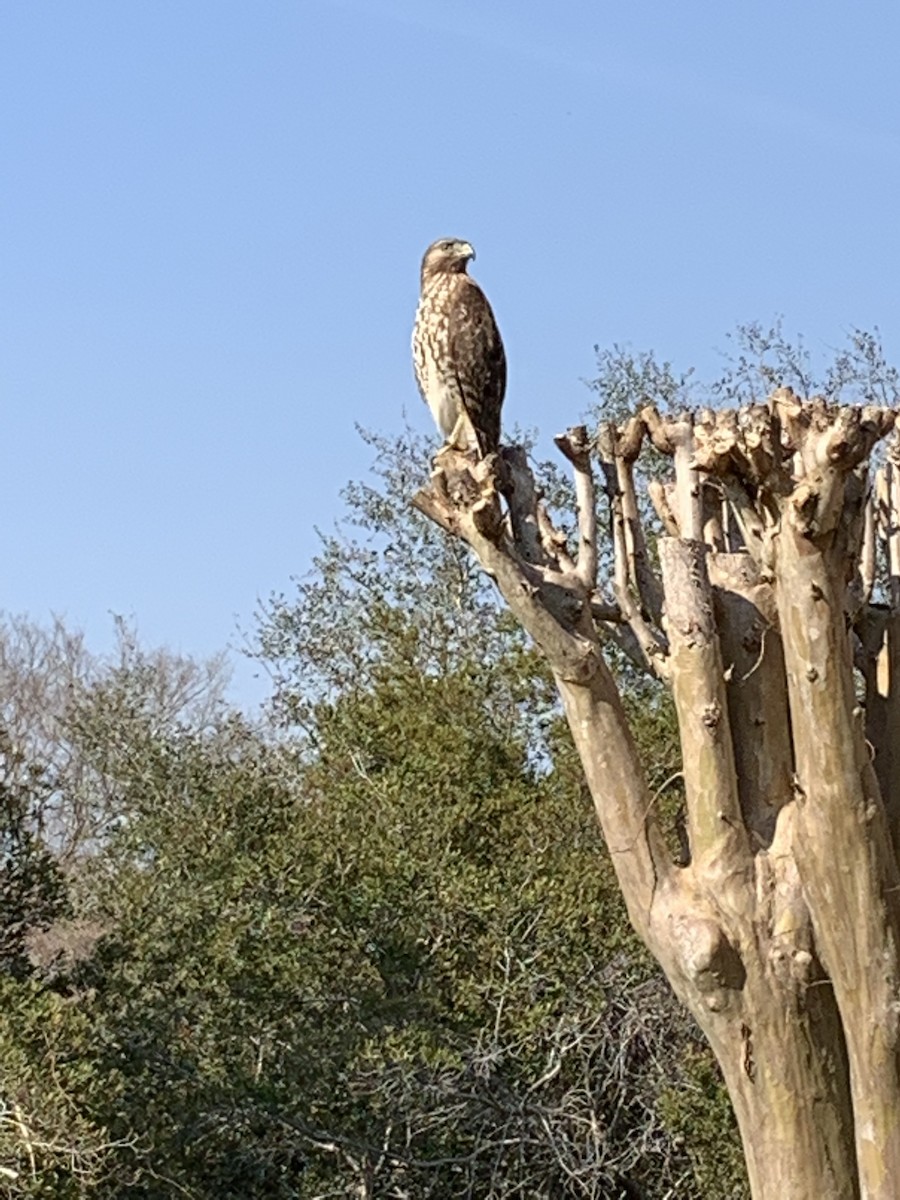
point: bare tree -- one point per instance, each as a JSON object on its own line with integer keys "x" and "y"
{"x": 779, "y": 925}
{"x": 48, "y": 680}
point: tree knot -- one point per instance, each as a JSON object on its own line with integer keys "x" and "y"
{"x": 712, "y": 715}
{"x": 709, "y": 960}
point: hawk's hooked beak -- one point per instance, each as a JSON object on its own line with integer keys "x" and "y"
{"x": 466, "y": 251}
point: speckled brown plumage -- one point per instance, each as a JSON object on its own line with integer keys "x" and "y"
{"x": 457, "y": 351}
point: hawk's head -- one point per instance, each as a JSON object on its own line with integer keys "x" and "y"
{"x": 446, "y": 256}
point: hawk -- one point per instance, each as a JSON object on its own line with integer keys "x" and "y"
{"x": 457, "y": 352}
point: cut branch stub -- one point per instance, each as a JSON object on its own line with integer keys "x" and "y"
{"x": 635, "y": 585}
{"x": 576, "y": 446}
{"x": 521, "y": 551}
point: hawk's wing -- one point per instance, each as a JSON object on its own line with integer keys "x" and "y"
{"x": 476, "y": 349}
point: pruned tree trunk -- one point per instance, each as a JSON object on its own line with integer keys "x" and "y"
{"x": 781, "y": 933}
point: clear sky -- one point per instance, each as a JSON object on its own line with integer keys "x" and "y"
{"x": 213, "y": 214}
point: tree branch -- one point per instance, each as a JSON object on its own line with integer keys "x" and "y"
{"x": 553, "y": 604}
{"x": 715, "y": 822}
{"x": 576, "y": 447}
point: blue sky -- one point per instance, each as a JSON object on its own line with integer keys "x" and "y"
{"x": 213, "y": 215}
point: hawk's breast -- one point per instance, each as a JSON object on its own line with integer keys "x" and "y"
{"x": 435, "y": 373}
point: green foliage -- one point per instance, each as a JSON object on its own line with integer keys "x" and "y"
{"x": 760, "y": 359}
{"x": 397, "y": 956}
{"x": 49, "y": 1146}
{"x": 402, "y": 959}
{"x": 628, "y": 380}
{"x": 388, "y": 587}
{"x": 699, "y": 1116}
{"x": 32, "y": 892}
{"x": 200, "y": 978}
{"x": 316, "y": 959}
{"x": 757, "y": 359}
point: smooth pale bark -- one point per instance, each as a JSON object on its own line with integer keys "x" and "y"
{"x": 751, "y": 644}
{"x": 844, "y": 854}
{"x": 781, "y": 933}
{"x": 734, "y": 960}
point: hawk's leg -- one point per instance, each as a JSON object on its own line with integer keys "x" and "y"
{"x": 463, "y": 436}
